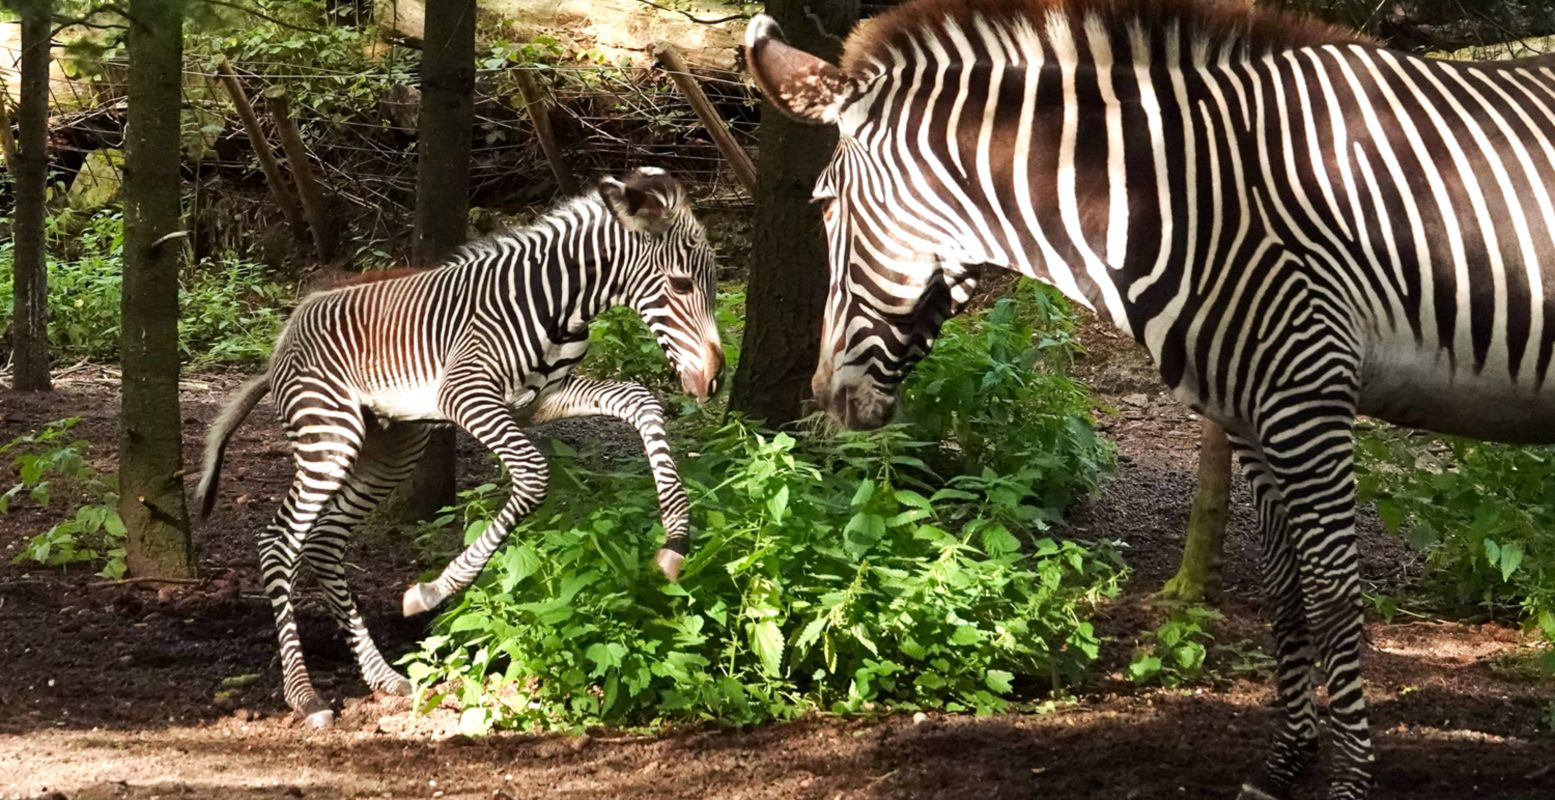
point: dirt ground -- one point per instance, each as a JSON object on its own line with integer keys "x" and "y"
{"x": 125, "y": 691}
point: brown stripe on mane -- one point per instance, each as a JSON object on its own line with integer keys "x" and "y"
{"x": 340, "y": 280}
{"x": 1261, "y": 30}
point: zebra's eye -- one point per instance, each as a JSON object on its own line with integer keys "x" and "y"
{"x": 680, "y": 284}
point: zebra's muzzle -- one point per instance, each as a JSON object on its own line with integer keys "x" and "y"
{"x": 701, "y": 380}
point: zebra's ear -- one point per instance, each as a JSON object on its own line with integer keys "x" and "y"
{"x": 636, "y": 205}
{"x": 801, "y": 85}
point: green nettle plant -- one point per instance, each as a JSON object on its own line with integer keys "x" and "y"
{"x": 836, "y": 572}
{"x": 1483, "y": 513}
{"x": 42, "y": 463}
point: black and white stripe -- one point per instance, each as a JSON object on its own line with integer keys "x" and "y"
{"x": 1300, "y": 226}
{"x": 487, "y": 341}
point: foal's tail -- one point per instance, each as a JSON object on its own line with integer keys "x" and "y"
{"x": 232, "y": 415}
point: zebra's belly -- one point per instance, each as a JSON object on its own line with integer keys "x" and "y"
{"x": 411, "y": 402}
{"x": 1417, "y": 388}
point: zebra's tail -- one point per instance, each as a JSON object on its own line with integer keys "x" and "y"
{"x": 231, "y": 416}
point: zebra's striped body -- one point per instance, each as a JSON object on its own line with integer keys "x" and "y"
{"x": 486, "y": 341}
{"x": 1300, "y": 226}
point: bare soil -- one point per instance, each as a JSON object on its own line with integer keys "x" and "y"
{"x": 134, "y": 691}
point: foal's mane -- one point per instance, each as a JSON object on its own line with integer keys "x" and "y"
{"x": 1256, "y": 30}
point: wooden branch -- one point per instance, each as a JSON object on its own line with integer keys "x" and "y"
{"x": 302, "y": 173}
{"x": 262, "y": 149}
{"x": 670, "y": 59}
{"x": 534, "y": 103}
{"x": 7, "y": 139}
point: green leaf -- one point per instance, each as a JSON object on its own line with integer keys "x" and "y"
{"x": 999, "y": 680}
{"x": 767, "y": 640}
{"x": 777, "y": 505}
{"x": 1511, "y": 558}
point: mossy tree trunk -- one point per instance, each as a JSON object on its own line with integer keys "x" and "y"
{"x": 786, "y": 289}
{"x": 151, "y": 494}
{"x": 29, "y": 302}
{"x": 443, "y": 196}
{"x": 1198, "y": 578}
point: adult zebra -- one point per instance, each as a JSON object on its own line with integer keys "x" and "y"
{"x": 486, "y": 341}
{"x": 1298, "y": 224}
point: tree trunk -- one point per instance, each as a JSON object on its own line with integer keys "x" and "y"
{"x": 1198, "y": 578}
{"x": 788, "y": 268}
{"x": 443, "y": 196}
{"x": 151, "y": 494}
{"x": 29, "y": 302}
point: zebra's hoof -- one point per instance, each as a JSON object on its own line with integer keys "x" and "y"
{"x": 669, "y": 563}
{"x": 398, "y": 686}
{"x": 1252, "y": 792}
{"x": 320, "y": 720}
{"x": 419, "y": 599}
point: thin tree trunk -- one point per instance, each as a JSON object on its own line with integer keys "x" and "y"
{"x": 786, "y": 289}
{"x": 443, "y": 196}
{"x": 151, "y": 493}
{"x": 1198, "y": 578}
{"x": 29, "y": 302}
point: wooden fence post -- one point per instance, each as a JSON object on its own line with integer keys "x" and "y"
{"x": 262, "y": 149}
{"x": 744, "y": 170}
{"x": 302, "y": 172}
{"x": 534, "y": 103}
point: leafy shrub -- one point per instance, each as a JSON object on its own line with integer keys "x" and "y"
{"x": 994, "y": 391}
{"x": 231, "y": 310}
{"x": 1175, "y": 656}
{"x": 826, "y": 575}
{"x": 835, "y": 572}
{"x": 41, "y": 461}
{"x": 621, "y": 347}
{"x": 1483, "y": 513}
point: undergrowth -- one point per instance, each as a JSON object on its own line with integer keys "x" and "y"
{"x": 1483, "y": 514}
{"x": 44, "y": 463}
{"x": 835, "y": 572}
{"x": 231, "y": 310}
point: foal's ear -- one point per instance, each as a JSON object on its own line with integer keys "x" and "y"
{"x": 801, "y": 85}
{"x": 635, "y": 203}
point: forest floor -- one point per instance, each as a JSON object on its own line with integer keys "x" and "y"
{"x": 125, "y": 691}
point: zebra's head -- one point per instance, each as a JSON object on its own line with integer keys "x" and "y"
{"x": 895, "y": 278}
{"x": 670, "y": 276}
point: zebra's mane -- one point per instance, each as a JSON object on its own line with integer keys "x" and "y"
{"x": 1250, "y": 31}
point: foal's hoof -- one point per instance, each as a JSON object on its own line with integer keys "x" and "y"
{"x": 669, "y": 563}
{"x": 320, "y": 720}
{"x": 420, "y": 598}
{"x": 1252, "y": 792}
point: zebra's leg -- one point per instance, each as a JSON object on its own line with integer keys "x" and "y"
{"x": 480, "y": 409}
{"x": 1295, "y": 738}
{"x": 1311, "y": 460}
{"x": 325, "y": 443}
{"x": 638, "y": 407}
{"x": 388, "y": 457}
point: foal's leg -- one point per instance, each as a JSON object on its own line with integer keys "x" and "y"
{"x": 325, "y": 443}
{"x": 637, "y": 406}
{"x": 388, "y": 457}
{"x": 478, "y": 406}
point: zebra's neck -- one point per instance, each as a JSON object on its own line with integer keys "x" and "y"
{"x": 568, "y": 266}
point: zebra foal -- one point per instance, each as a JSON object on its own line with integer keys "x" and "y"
{"x": 486, "y": 341}
{"x": 1298, "y": 224}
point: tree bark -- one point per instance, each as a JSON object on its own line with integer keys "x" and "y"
{"x": 1198, "y": 578}
{"x": 786, "y": 289}
{"x": 443, "y": 196}
{"x": 151, "y": 495}
{"x": 29, "y": 301}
